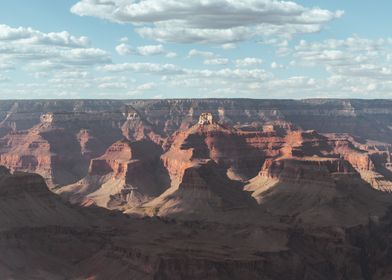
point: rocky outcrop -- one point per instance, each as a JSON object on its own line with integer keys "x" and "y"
{"x": 112, "y": 246}
{"x": 89, "y": 127}
{"x": 26, "y": 201}
{"x": 317, "y": 217}
{"x": 299, "y": 170}
{"x": 204, "y": 192}
{"x": 60, "y": 147}
{"x": 365, "y": 118}
{"x": 313, "y": 176}
{"x": 27, "y": 151}
{"x": 124, "y": 163}
{"x": 227, "y": 147}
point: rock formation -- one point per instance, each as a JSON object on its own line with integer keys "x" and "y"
{"x": 206, "y": 119}
{"x": 318, "y": 180}
{"x": 51, "y": 240}
{"x": 125, "y": 162}
{"x": 251, "y": 189}
{"x": 91, "y": 126}
{"x": 26, "y": 201}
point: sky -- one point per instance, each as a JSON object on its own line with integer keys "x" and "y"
{"x": 131, "y": 49}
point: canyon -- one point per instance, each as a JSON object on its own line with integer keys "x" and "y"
{"x": 195, "y": 189}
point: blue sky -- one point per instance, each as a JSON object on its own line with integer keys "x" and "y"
{"x": 195, "y": 48}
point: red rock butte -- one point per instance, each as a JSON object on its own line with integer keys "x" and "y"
{"x": 195, "y": 189}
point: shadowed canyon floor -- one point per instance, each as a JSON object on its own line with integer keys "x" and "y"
{"x": 195, "y": 189}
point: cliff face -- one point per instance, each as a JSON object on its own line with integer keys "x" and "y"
{"x": 225, "y": 146}
{"x": 26, "y": 201}
{"x": 365, "y": 118}
{"x": 58, "y": 139}
{"x": 124, "y": 165}
{"x": 254, "y": 189}
{"x": 51, "y": 240}
{"x": 66, "y": 141}
{"x": 315, "y": 177}
{"x": 27, "y": 151}
{"x": 69, "y": 143}
{"x": 206, "y": 164}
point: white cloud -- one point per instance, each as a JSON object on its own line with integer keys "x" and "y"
{"x": 141, "y": 89}
{"x": 223, "y": 82}
{"x": 248, "y": 62}
{"x": 113, "y": 86}
{"x": 149, "y": 68}
{"x": 218, "y": 21}
{"x": 173, "y": 32}
{"x": 150, "y": 50}
{"x": 146, "y": 86}
{"x": 216, "y": 61}
{"x": 171, "y": 55}
{"x": 4, "y": 78}
{"x": 204, "y": 54}
{"x": 210, "y": 58}
{"x": 175, "y": 77}
{"x": 354, "y": 57}
{"x": 24, "y": 45}
{"x": 229, "y": 46}
{"x": 6, "y": 66}
{"x": 371, "y": 71}
{"x": 228, "y": 73}
{"x": 124, "y": 49}
{"x": 275, "y": 65}
{"x": 352, "y": 50}
{"x": 28, "y": 35}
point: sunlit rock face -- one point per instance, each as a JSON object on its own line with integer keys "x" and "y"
{"x": 134, "y": 163}
{"x": 195, "y": 189}
{"x": 67, "y": 141}
{"x": 206, "y": 119}
{"x": 61, "y": 140}
{"x": 76, "y": 131}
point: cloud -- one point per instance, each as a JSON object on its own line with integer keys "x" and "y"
{"x": 204, "y": 54}
{"x": 146, "y": 86}
{"x": 31, "y": 47}
{"x": 210, "y": 58}
{"x": 28, "y": 35}
{"x": 171, "y": 55}
{"x": 113, "y": 86}
{"x": 218, "y": 21}
{"x": 216, "y": 61}
{"x": 6, "y": 66}
{"x": 149, "y": 68}
{"x": 147, "y": 50}
{"x": 124, "y": 49}
{"x": 150, "y": 50}
{"x": 248, "y": 62}
{"x": 231, "y": 74}
{"x": 354, "y": 57}
{"x": 141, "y": 89}
{"x": 370, "y": 71}
{"x": 275, "y": 65}
{"x": 229, "y": 46}
{"x": 352, "y": 50}
{"x": 172, "y": 32}
{"x": 4, "y": 78}
{"x": 174, "y": 78}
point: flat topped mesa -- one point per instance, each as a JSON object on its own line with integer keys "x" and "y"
{"x": 206, "y": 118}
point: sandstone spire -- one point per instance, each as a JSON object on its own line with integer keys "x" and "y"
{"x": 206, "y": 118}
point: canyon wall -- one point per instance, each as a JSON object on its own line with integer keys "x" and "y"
{"x": 252, "y": 189}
